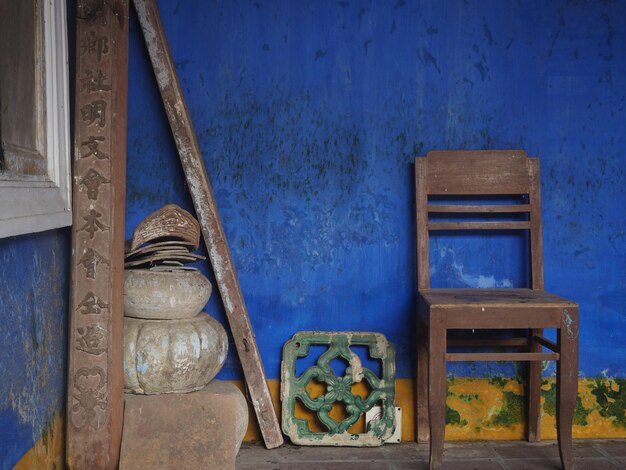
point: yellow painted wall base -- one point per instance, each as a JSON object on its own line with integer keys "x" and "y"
{"x": 49, "y": 451}
{"x": 478, "y": 409}
{"x": 493, "y": 409}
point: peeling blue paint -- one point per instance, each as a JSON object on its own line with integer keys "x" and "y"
{"x": 33, "y": 305}
{"x": 309, "y": 115}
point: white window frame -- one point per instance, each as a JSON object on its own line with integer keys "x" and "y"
{"x": 39, "y": 204}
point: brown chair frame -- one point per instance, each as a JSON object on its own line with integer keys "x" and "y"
{"x": 475, "y": 173}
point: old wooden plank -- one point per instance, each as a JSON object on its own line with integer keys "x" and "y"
{"x": 206, "y": 210}
{"x": 95, "y": 369}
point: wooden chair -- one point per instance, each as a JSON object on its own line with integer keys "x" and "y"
{"x": 471, "y": 174}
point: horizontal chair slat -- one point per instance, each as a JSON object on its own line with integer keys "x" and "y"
{"x": 473, "y": 209}
{"x": 457, "y": 357}
{"x": 479, "y": 225}
{"x": 477, "y": 343}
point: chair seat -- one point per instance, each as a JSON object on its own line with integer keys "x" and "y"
{"x": 496, "y": 308}
{"x": 493, "y": 297}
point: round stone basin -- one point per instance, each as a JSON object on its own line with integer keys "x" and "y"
{"x": 164, "y": 295}
{"x": 172, "y": 356}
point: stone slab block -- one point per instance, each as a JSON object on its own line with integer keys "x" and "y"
{"x": 197, "y": 430}
{"x": 221, "y": 387}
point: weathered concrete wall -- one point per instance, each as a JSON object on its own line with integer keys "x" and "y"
{"x": 310, "y": 113}
{"x": 33, "y": 309}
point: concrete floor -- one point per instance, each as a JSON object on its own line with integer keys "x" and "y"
{"x": 493, "y": 455}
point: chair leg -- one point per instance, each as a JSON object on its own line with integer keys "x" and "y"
{"x": 423, "y": 433}
{"x": 567, "y": 384}
{"x": 533, "y": 392}
{"x": 436, "y": 389}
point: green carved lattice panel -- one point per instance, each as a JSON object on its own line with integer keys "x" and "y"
{"x": 338, "y": 388}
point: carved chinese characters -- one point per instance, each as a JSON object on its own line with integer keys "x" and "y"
{"x": 91, "y": 182}
{"x": 93, "y": 223}
{"x": 94, "y": 112}
{"x": 92, "y": 305}
{"x": 91, "y": 339}
{"x": 89, "y": 397}
{"x": 90, "y": 261}
{"x": 94, "y": 81}
{"x": 95, "y": 372}
{"x": 93, "y": 146}
{"x": 91, "y": 43}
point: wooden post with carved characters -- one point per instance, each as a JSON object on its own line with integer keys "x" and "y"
{"x": 95, "y": 368}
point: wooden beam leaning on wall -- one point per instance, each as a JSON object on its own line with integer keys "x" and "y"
{"x": 95, "y": 361}
{"x": 206, "y": 210}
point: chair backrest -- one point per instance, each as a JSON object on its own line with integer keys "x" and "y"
{"x": 477, "y": 173}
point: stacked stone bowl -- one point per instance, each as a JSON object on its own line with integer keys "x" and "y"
{"x": 170, "y": 344}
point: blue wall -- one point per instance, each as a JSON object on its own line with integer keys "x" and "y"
{"x": 309, "y": 115}
{"x": 33, "y": 334}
